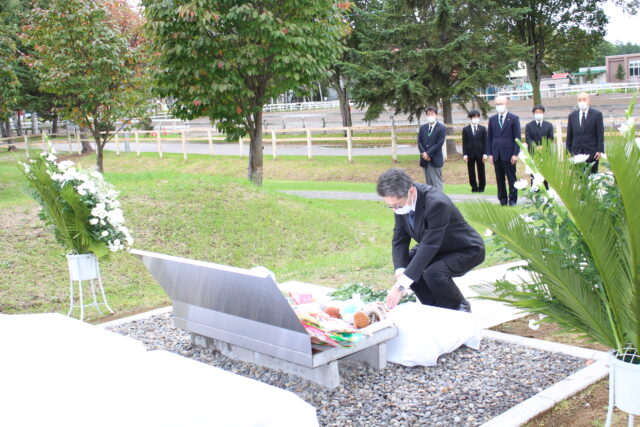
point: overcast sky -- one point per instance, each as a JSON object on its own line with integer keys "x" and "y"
{"x": 621, "y": 27}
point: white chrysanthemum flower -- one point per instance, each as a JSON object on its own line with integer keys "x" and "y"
{"x": 527, "y": 218}
{"x": 82, "y": 191}
{"x": 115, "y": 216}
{"x": 528, "y": 170}
{"x": 65, "y": 164}
{"x": 26, "y": 167}
{"x": 521, "y": 184}
{"x": 624, "y": 128}
{"x": 117, "y": 242}
{"x": 552, "y": 193}
{"x": 534, "y": 324}
{"x": 579, "y": 158}
{"x": 94, "y": 221}
{"x": 51, "y": 157}
{"x": 538, "y": 179}
{"x": 488, "y": 233}
{"x": 105, "y": 233}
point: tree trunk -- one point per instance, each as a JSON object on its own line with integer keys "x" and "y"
{"x": 54, "y": 124}
{"x": 86, "y": 145}
{"x": 3, "y": 130}
{"x": 447, "y": 116}
{"x": 18, "y": 123}
{"x": 99, "y": 149}
{"x": 34, "y": 123}
{"x": 533, "y": 71}
{"x": 343, "y": 97}
{"x": 255, "y": 149}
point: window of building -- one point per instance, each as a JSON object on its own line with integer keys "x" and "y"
{"x": 634, "y": 68}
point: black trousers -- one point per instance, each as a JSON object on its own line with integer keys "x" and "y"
{"x": 506, "y": 169}
{"x": 436, "y": 286}
{"x": 472, "y": 164}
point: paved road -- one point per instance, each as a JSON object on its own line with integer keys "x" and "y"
{"x": 348, "y": 195}
{"x": 281, "y": 150}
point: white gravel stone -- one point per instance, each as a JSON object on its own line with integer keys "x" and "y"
{"x": 467, "y": 387}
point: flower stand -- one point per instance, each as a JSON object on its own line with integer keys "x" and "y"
{"x": 624, "y": 383}
{"x": 85, "y": 267}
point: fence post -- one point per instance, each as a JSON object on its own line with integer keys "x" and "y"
{"x": 241, "y": 146}
{"x": 26, "y": 144}
{"x": 273, "y": 144}
{"x": 184, "y": 145}
{"x": 558, "y": 126}
{"x": 394, "y": 141}
{"x": 117, "y": 141}
{"x": 159, "y": 141}
{"x": 79, "y": 141}
{"x": 210, "y": 141}
{"x": 69, "y": 141}
{"x": 135, "y": 136}
{"x": 309, "y": 143}
{"x": 349, "y": 145}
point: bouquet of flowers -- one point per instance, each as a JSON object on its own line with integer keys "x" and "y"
{"x": 79, "y": 204}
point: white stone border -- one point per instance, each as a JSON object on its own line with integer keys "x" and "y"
{"x": 524, "y": 411}
{"x": 139, "y": 316}
{"x": 549, "y": 397}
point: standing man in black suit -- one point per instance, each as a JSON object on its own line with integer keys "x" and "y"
{"x": 502, "y": 149}
{"x": 431, "y": 138}
{"x": 585, "y": 131}
{"x": 474, "y": 147}
{"x": 447, "y": 245}
{"x": 537, "y": 132}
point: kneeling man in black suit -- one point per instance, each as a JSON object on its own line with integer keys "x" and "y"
{"x": 447, "y": 245}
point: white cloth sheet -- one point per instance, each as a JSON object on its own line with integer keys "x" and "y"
{"x": 58, "y": 371}
{"x": 426, "y": 332}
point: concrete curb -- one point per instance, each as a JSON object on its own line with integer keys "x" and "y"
{"x": 139, "y": 316}
{"x": 549, "y": 397}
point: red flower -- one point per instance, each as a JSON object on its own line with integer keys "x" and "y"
{"x": 196, "y": 102}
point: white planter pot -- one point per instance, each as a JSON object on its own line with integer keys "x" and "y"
{"x": 625, "y": 378}
{"x": 83, "y": 267}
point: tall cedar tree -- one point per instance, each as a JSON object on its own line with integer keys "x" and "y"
{"x": 416, "y": 53}
{"x": 86, "y": 56}
{"x": 225, "y": 59}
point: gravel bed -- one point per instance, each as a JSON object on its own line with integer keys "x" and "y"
{"x": 466, "y": 388}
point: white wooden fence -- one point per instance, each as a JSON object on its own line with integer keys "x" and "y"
{"x": 345, "y": 137}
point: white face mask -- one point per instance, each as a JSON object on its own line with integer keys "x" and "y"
{"x": 538, "y": 117}
{"x": 475, "y": 121}
{"x": 431, "y": 119}
{"x": 500, "y": 108}
{"x": 405, "y": 209}
{"x": 583, "y": 105}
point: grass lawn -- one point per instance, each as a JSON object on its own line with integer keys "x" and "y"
{"x": 190, "y": 213}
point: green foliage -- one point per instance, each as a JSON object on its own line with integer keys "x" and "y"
{"x": 414, "y": 54}
{"x": 85, "y": 57}
{"x": 606, "y": 48}
{"x": 583, "y": 249}
{"x": 558, "y": 34}
{"x": 367, "y": 293}
{"x": 9, "y": 83}
{"x": 225, "y": 59}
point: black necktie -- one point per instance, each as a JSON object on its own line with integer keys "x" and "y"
{"x": 501, "y": 120}
{"x": 412, "y": 215}
{"x": 584, "y": 118}
{"x": 539, "y": 124}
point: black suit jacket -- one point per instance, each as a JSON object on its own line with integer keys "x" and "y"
{"x": 439, "y": 229}
{"x": 535, "y": 134}
{"x": 474, "y": 146}
{"x": 432, "y": 144}
{"x": 588, "y": 138}
{"x": 502, "y": 140}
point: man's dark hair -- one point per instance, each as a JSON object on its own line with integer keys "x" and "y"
{"x": 431, "y": 108}
{"x": 394, "y": 183}
{"x": 538, "y": 107}
{"x": 474, "y": 113}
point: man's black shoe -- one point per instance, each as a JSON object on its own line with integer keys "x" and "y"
{"x": 512, "y": 203}
{"x": 465, "y": 306}
{"x": 474, "y": 190}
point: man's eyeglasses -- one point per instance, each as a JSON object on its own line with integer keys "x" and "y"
{"x": 396, "y": 206}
